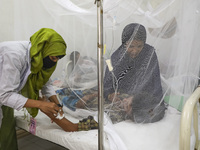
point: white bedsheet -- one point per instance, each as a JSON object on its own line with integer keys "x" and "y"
{"x": 163, "y": 135}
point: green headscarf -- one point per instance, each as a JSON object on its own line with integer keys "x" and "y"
{"x": 45, "y": 42}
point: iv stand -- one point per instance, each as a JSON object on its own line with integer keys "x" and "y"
{"x": 100, "y": 73}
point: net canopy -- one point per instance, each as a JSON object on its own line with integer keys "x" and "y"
{"x": 151, "y": 52}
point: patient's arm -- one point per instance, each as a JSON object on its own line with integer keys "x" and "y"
{"x": 84, "y": 99}
{"x": 86, "y": 124}
{"x": 65, "y": 124}
{"x": 83, "y": 125}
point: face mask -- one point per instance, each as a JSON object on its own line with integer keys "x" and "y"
{"x": 48, "y": 63}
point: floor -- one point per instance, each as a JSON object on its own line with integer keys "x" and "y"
{"x": 27, "y": 141}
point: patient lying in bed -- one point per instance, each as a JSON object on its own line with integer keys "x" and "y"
{"x": 125, "y": 108}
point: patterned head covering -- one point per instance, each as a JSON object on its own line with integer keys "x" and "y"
{"x": 45, "y": 42}
{"x": 134, "y": 31}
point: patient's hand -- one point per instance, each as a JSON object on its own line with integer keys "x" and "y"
{"x": 114, "y": 97}
{"x": 127, "y": 104}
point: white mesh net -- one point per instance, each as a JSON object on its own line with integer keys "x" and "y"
{"x": 152, "y": 50}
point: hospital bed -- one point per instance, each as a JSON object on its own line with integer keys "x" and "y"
{"x": 190, "y": 111}
{"x": 162, "y": 135}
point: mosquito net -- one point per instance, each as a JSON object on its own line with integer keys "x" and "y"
{"x": 151, "y": 53}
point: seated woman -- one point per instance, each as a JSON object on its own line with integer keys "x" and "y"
{"x": 136, "y": 73}
{"x": 132, "y": 89}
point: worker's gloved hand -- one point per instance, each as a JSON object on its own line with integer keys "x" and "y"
{"x": 87, "y": 124}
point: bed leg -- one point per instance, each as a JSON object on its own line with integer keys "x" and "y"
{"x": 195, "y": 113}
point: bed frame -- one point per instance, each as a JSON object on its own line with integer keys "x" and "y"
{"x": 189, "y": 111}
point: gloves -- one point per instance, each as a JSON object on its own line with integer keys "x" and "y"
{"x": 87, "y": 124}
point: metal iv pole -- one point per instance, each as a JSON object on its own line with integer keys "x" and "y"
{"x": 100, "y": 73}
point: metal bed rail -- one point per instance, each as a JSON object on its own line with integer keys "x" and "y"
{"x": 190, "y": 111}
